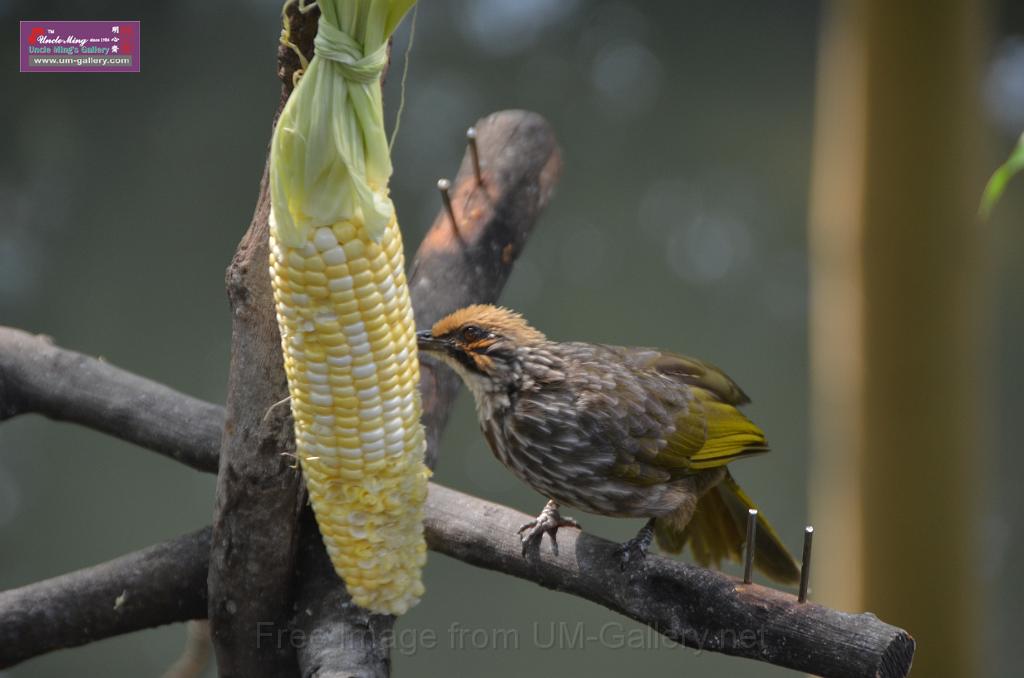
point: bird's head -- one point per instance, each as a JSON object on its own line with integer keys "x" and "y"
{"x": 483, "y": 344}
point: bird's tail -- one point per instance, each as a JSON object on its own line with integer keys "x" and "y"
{"x": 717, "y": 530}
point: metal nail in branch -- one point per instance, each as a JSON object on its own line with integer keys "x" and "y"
{"x": 474, "y": 154}
{"x": 444, "y": 186}
{"x": 748, "y": 556}
{"x": 805, "y": 564}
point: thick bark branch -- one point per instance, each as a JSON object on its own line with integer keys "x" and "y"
{"x": 334, "y": 637}
{"x": 685, "y": 603}
{"x": 259, "y": 496}
{"x": 158, "y": 585}
{"x": 520, "y": 164}
{"x": 36, "y": 376}
{"x": 695, "y": 607}
{"x": 690, "y": 605}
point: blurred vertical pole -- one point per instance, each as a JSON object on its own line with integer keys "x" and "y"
{"x": 837, "y": 313}
{"x": 899, "y": 321}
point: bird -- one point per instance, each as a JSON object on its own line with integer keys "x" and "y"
{"x": 612, "y": 430}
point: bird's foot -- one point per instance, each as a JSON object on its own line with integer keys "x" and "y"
{"x": 635, "y": 550}
{"x": 548, "y": 522}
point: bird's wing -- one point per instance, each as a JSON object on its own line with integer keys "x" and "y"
{"x": 692, "y": 372}
{"x": 708, "y": 433}
{"x": 677, "y": 416}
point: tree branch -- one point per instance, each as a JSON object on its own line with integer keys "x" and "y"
{"x": 158, "y": 585}
{"x": 333, "y": 636}
{"x": 259, "y": 496}
{"x": 689, "y": 604}
{"x": 36, "y": 376}
{"x": 521, "y": 163}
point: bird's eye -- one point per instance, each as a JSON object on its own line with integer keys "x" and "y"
{"x": 472, "y": 333}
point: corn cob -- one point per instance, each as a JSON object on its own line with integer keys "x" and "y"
{"x": 343, "y": 308}
{"x": 349, "y": 342}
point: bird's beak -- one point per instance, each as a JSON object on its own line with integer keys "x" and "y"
{"x": 428, "y": 342}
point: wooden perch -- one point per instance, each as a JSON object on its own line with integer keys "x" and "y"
{"x": 469, "y": 262}
{"x": 337, "y": 638}
{"x": 155, "y": 586}
{"x": 259, "y": 496}
{"x": 692, "y": 605}
{"x": 100, "y": 396}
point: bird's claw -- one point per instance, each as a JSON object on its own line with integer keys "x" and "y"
{"x": 635, "y": 550}
{"x": 632, "y": 551}
{"x": 548, "y": 522}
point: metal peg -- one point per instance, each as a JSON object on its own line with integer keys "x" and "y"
{"x": 474, "y": 153}
{"x": 805, "y": 565}
{"x": 443, "y": 185}
{"x": 748, "y": 556}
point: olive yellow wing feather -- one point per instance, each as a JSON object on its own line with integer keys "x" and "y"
{"x": 697, "y": 373}
{"x": 708, "y": 434}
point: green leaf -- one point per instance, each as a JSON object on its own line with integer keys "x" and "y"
{"x": 997, "y": 184}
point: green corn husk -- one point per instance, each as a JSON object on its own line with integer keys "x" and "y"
{"x": 329, "y": 154}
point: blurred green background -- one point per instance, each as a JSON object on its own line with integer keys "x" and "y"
{"x": 680, "y": 221}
